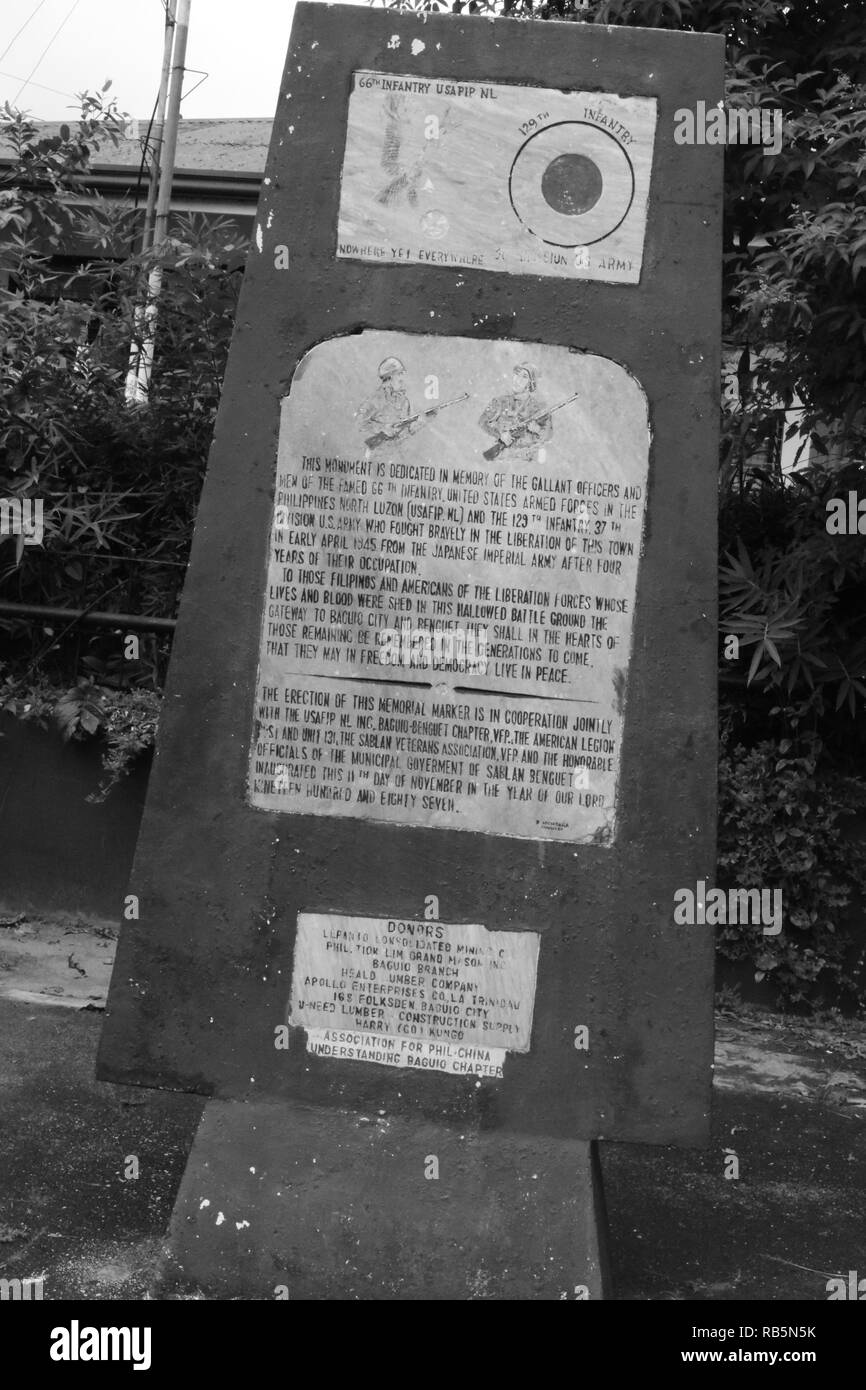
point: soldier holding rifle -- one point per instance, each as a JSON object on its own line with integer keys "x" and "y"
{"x": 517, "y": 421}
{"x": 386, "y": 417}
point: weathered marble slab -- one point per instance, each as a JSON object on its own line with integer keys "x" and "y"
{"x": 520, "y": 180}
{"x": 446, "y": 635}
{"x": 434, "y": 996}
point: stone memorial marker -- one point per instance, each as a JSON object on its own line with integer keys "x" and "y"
{"x": 439, "y": 741}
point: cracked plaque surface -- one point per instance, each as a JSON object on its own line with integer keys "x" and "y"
{"x": 514, "y": 179}
{"x": 452, "y": 572}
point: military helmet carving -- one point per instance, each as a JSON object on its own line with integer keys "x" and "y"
{"x": 389, "y": 367}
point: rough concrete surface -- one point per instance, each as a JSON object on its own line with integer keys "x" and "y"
{"x": 204, "y": 973}
{"x": 325, "y": 1204}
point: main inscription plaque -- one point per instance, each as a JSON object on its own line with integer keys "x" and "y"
{"x": 452, "y": 571}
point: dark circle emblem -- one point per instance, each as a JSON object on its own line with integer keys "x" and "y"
{"x": 572, "y": 184}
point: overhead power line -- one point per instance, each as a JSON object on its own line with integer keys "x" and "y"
{"x": 21, "y": 30}
{"x": 60, "y": 26}
{"x": 16, "y": 77}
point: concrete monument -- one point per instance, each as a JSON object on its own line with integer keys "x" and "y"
{"x": 439, "y": 742}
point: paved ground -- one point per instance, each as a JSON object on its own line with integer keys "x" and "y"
{"x": 790, "y": 1102}
{"x": 66, "y": 1210}
{"x": 790, "y": 1107}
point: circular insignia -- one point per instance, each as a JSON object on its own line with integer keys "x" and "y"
{"x": 571, "y": 184}
{"x": 434, "y": 224}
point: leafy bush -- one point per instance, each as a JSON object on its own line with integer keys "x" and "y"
{"x": 126, "y": 720}
{"x": 794, "y": 596}
{"x": 119, "y": 483}
{"x": 781, "y": 825}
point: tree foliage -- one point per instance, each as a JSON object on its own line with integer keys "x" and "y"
{"x": 782, "y": 824}
{"x": 119, "y": 484}
{"x": 792, "y": 596}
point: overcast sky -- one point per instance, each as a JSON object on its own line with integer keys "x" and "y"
{"x": 240, "y": 43}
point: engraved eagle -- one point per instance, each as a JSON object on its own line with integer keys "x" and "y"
{"x": 404, "y": 177}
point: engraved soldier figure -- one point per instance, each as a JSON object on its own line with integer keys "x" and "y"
{"x": 386, "y": 415}
{"x": 517, "y": 421}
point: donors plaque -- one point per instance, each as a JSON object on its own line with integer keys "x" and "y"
{"x": 429, "y": 995}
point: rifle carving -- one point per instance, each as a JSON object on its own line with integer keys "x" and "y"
{"x": 519, "y": 437}
{"x": 376, "y": 439}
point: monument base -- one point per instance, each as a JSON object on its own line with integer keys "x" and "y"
{"x": 280, "y": 1200}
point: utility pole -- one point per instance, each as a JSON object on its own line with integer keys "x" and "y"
{"x": 169, "y": 145}
{"x": 177, "y": 23}
{"x": 158, "y": 126}
{"x": 132, "y": 391}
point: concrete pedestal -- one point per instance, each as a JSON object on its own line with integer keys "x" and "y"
{"x": 282, "y": 1200}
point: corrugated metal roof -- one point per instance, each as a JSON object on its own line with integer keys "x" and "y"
{"x": 225, "y": 145}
